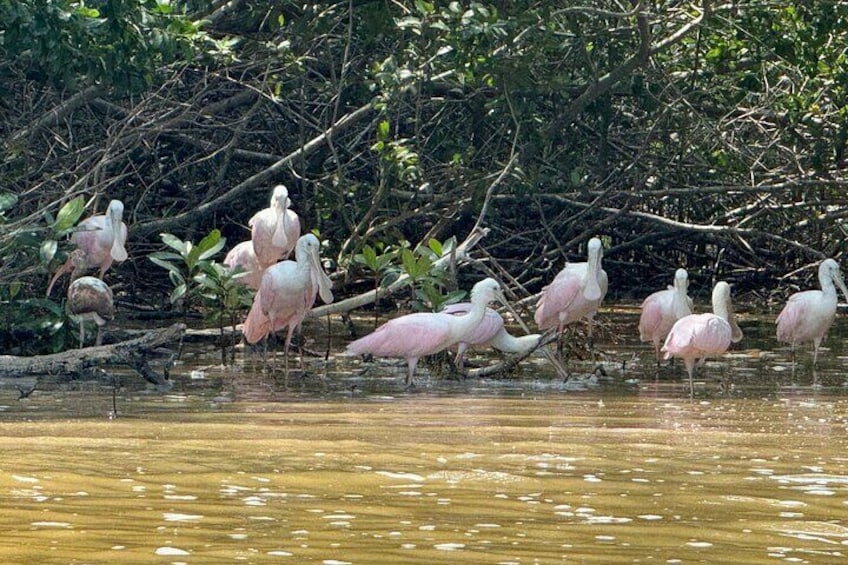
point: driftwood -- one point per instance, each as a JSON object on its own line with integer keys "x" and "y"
{"x": 132, "y": 353}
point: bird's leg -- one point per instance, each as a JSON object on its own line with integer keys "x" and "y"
{"x": 690, "y": 368}
{"x": 82, "y": 333}
{"x": 412, "y": 363}
{"x": 816, "y": 344}
{"x": 99, "y": 340}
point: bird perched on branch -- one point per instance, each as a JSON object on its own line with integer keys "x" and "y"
{"x": 809, "y": 314}
{"x": 101, "y": 239}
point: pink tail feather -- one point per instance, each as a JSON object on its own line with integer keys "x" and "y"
{"x": 257, "y": 325}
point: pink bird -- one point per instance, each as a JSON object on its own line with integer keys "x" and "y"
{"x": 424, "y": 333}
{"x": 662, "y": 308}
{"x": 490, "y": 331}
{"x": 808, "y": 315}
{"x": 698, "y": 336}
{"x": 102, "y": 240}
{"x": 287, "y": 293}
{"x": 576, "y": 292}
{"x": 89, "y": 298}
{"x": 242, "y": 256}
{"x": 274, "y": 230}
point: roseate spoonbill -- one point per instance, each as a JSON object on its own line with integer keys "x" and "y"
{"x": 242, "y": 255}
{"x": 490, "y": 331}
{"x": 424, "y": 333}
{"x": 102, "y": 240}
{"x": 662, "y": 308}
{"x": 808, "y": 315}
{"x": 575, "y": 293}
{"x": 89, "y": 298}
{"x": 698, "y": 336}
{"x": 274, "y": 230}
{"x": 287, "y": 293}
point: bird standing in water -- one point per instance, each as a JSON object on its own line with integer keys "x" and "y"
{"x": 274, "y": 230}
{"x": 424, "y": 333}
{"x": 490, "y": 331}
{"x": 101, "y": 239}
{"x": 89, "y": 298}
{"x": 287, "y": 293}
{"x": 809, "y": 314}
{"x": 698, "y": 336}
{"x": 662, "y": 309}
{"x": 576, "y": 292}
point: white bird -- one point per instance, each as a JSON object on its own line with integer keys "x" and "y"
{"x": 575, "y": 293}
{"x": 424, "y": 333}
{"x": 809, "y": 314}
{"x": 101, "y": 239}
{"x": 274, "y": 230}
{"x": 661, "y": 309}
{"x": 698, "y": 336}
{"x": 287, "y": 293}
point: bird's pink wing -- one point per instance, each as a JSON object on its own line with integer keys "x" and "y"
{"x": 413, "y": 335}
{"x": 650, "y": 321}
{"x": 257, "y": 325}
{"x": 697, "y": 335}
{"x": 555, "y": 298}
{"x": 791, "y": 318}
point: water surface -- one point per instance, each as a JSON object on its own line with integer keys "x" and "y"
{"x": 231, "y": 467}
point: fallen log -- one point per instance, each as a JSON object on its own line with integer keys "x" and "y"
{"x": 132, "y": 353}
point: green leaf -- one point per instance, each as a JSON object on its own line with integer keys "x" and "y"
{"x": 178, "y": 292}
{"x": 48, "y": 250}
{"x": 165, "y": 264}
{"x": 436, "y": 246}
{"x": 174, "y": 243}
{"x": 69, "y": 214}
{"x": 383, "y": 130}
{"x": 211, "y": 244}
{"x": 7, "y": 200}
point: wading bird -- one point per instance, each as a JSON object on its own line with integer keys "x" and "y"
{"x": 698, "y": 336}
{"x": 662, "y": 308}
{"x": 243, "y": 256}
{"x": 89, "y": 298}
{"x": 808, "y": 315}
{"x": 287, "y": 293}
{"x": 274, "y": 230}
{"x": 424, "y": 333}
{"x": 576, "y": 292}
{"x": 490, "y": 331}
{"x": 101, "y": 239}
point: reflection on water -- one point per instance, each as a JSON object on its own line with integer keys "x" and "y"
{"x": 231, "y": 468}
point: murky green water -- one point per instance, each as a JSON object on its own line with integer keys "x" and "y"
{"x": 232, "y": 468}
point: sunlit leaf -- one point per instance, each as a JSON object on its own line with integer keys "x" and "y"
{"x": 69, "y": 215}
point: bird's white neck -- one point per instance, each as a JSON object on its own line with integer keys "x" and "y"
{"x": 826, "y": 282}
{"x": 463, "y": 325}
{"x": 679, "y": 301}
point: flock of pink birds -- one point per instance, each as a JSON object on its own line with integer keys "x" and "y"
{"x": 286, "y": 290}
